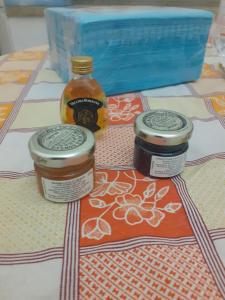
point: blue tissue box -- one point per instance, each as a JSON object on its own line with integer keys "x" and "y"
{"x": 133, "y": 48}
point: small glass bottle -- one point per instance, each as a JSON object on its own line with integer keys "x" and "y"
{"x": 64, "y": 162}
{"x": 83, "y": 101}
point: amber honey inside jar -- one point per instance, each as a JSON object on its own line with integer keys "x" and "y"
{"x": 64, "y": 162}
{"x": 161, "y": 143}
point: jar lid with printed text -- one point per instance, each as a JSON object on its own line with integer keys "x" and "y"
{"x": 62, "y": 145}
{"x": 163, "y": 127}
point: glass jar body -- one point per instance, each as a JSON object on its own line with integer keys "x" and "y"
{"x": 66, "y": 184}
{"x": 159, "y": 161}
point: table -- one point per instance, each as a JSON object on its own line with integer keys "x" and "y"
{"x": 110, "y": 245}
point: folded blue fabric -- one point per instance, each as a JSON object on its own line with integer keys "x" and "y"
{"x": 133, "y": 48}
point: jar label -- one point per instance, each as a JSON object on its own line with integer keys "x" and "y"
{"x": 85, "y": 112}
{"x": 167, "y": 166}
{"x": 68, "y": 190}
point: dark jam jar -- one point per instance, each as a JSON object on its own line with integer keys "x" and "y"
{"x": 161, "y": 143}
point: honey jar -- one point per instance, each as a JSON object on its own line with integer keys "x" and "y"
{"x": 161, "y": 142}
{"x": 64, "y": 162}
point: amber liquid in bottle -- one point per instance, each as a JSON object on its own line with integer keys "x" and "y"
{"x": 83, "y": 101}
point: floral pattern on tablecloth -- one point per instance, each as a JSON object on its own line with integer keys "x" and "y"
{"x": 133, "y": 237}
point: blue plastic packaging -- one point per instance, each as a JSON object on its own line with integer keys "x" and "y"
{"x": 133, "y": 48}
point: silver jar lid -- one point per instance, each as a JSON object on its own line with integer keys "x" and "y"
{"x": 60, "y": 146}
{"x": 163, "y": 127}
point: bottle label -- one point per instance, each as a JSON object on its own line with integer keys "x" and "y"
{"x": 68, "y": 190}
{"x": 167, "y": 166}
{"x": 85, "y": 112}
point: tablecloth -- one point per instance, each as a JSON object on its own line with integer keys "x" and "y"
{"x": 133, "y": 237}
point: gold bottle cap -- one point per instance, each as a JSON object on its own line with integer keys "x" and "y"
{"x": 82, "y": 64}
